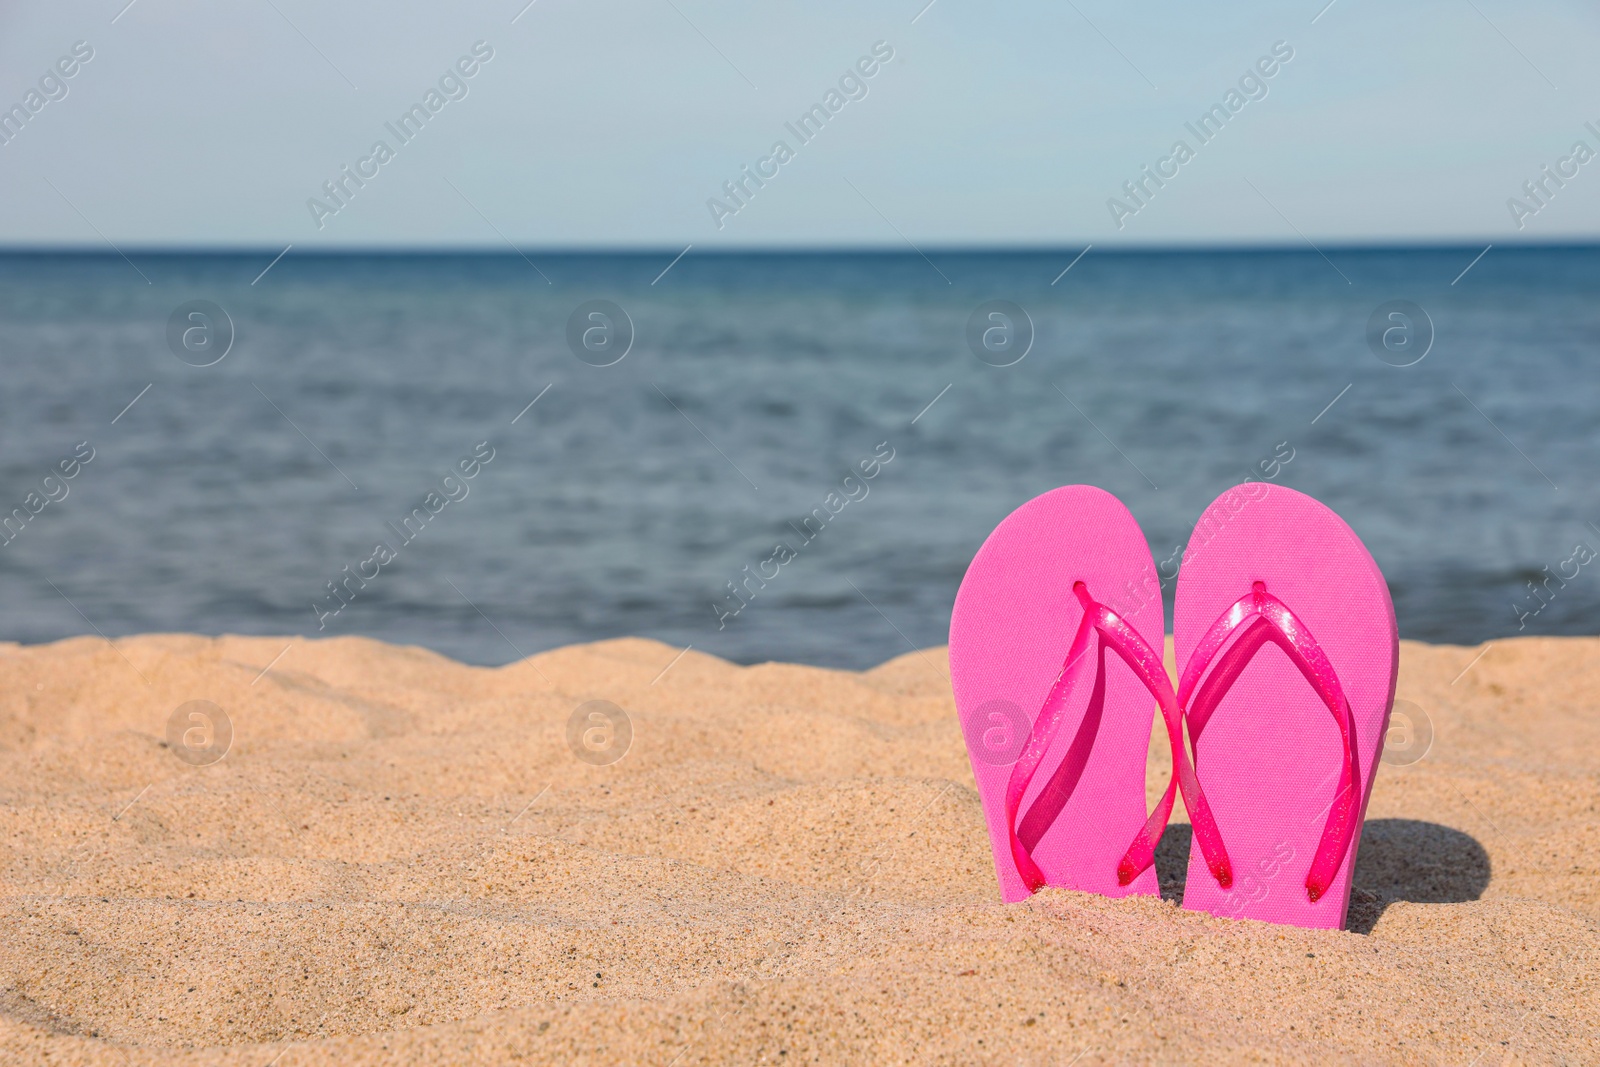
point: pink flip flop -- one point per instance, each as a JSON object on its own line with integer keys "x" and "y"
{"x": 1057, "y": 730}
{"x": 1287, "y": 655}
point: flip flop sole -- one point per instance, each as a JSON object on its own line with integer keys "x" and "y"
{"x": 1013, "y": 623}
{"x": 1269, "y": 757}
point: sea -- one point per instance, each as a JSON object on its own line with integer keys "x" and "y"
{"x": 491, "y": 455}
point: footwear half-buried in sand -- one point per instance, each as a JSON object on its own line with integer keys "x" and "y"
{"x": 1056, "y": 728}
{"x": 1287, "y": 655}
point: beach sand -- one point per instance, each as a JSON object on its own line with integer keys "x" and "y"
{"x": 400, "y": 859}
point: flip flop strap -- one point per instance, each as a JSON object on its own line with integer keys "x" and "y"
{"x": 1270, "y": 619}
{"x": 1114, "y": 633}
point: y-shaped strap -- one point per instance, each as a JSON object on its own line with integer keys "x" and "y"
{"x": 1271, "y": 620}
{"x": 1122, "y": 639}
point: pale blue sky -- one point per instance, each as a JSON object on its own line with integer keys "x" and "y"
{"x": 612, "y": 124}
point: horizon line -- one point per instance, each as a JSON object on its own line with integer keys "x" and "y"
{"x": 965, "y": 248}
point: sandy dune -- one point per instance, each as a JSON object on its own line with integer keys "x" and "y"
{"x": 401, "y": 859}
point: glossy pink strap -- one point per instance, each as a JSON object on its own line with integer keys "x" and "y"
{"x": 1122, "y": 639}
{"x": 1271, "y": 620}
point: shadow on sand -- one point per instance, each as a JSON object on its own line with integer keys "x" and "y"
{"x": 1400, "y": 859}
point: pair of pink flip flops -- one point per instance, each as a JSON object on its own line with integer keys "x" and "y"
{"x": 1287, "y": 653}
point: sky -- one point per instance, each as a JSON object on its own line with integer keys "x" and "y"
{"x": 616, "y": 124}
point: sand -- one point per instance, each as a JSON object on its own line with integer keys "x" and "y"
{"x": 400, "y": 859}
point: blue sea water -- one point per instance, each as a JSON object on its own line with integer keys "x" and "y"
{"x": 623, "y": 501}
